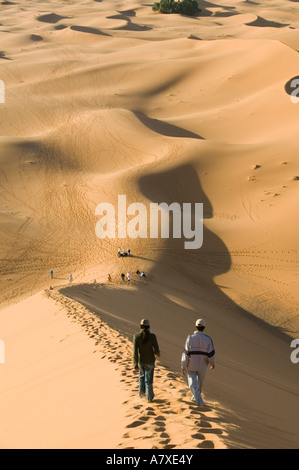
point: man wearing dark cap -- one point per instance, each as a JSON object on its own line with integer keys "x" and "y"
{"x": 145, "y": 350}
{"x": 199, "y": 352}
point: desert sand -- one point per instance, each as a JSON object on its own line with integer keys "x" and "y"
{"x": 108, "y": 98}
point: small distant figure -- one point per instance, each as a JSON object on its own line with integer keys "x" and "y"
{"x": 124, "y": 252}
{"x": 128, "y": 276}
{"x": 129, "y": 252}
{"x": 51, "y": 273}
{"x": 142, "y": 274}
{"x": 122, "y": 276}
{"x": 94, "y": 281}
{"x": 109, "y": 278}
{"x": 70, "y": 278}
{"x": 118, "y": 252}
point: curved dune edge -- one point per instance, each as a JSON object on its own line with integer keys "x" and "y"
{"x": 70, "y": 376}
{"x": 171, "y": 420}
{"x": 99, "y": 101}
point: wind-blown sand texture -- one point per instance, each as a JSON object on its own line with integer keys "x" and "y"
{"x": 108, "y": 98}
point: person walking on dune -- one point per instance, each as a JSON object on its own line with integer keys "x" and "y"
{"x": 198, "y": 353}
{"x": 145, "y": 350}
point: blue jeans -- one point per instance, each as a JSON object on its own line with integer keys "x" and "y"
{"x": 195, "y": 381}
{"x": 146, "y": 378}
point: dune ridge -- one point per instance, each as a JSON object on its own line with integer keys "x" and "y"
{"x": 109, "y": 98}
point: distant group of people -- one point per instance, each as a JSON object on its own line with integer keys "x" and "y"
{"x": 123, "y": 252}
{"x": 52, "y": 276}
{"x": 198, "y": 353}
{"x": 123, "y": 276}
{"x": 141, "y": 274}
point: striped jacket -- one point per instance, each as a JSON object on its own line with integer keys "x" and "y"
{"x": 198, "y": 353}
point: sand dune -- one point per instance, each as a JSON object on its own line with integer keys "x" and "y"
{"x": 65, "y": 374}
{"x": 109, "y": 98}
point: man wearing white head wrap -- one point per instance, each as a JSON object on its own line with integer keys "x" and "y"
{"x": 198, "y": 353}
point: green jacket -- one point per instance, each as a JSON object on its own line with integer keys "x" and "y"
{"x": 144, "y": 353}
